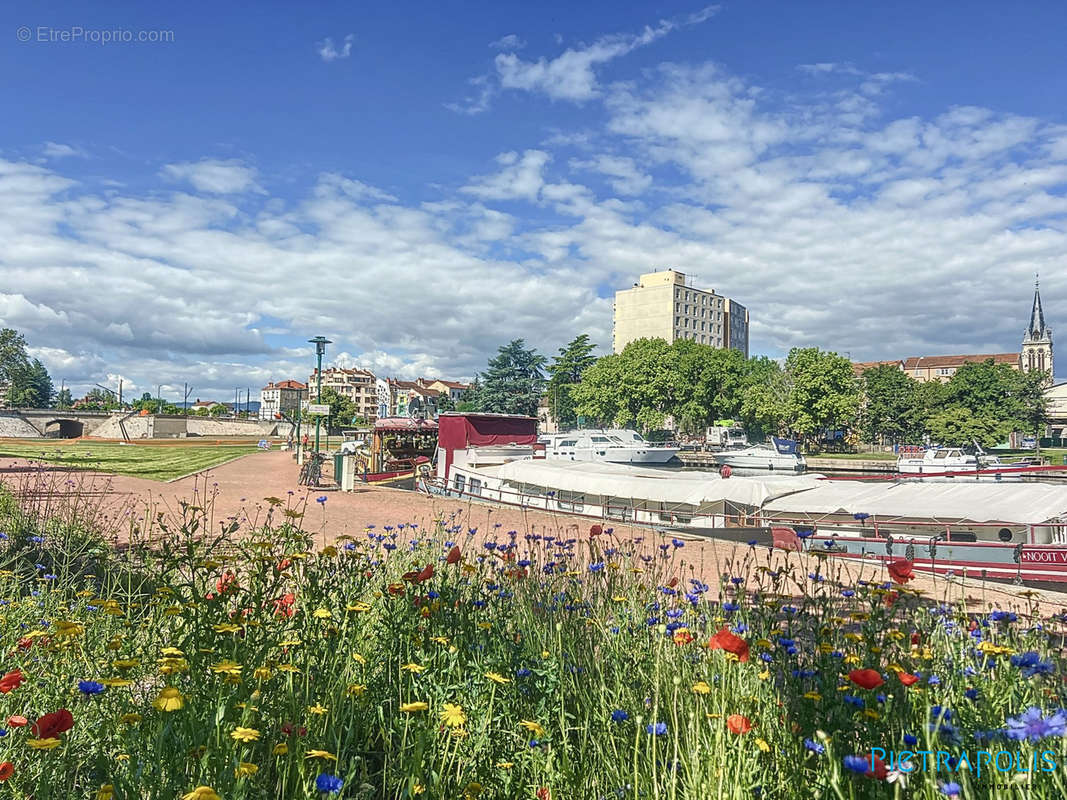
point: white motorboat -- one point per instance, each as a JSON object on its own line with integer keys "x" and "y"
{"x": 615, "y": 446}
{"x": 781, "y": 456}
{"x": 955, "y": 462}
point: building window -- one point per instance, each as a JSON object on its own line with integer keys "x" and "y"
{"x": 702, "y": 338}
{"x": 677, "y": 321}
{"x": 685, "y": 324}
{"x": 677, "y": 307}
{"x": 687, "y": 296}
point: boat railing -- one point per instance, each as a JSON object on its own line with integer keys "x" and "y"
{"x": 620, "y": 512}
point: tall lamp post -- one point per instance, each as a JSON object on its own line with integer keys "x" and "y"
{"x": 320, "y": 343}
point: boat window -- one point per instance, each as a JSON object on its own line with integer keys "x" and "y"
{"x": 638, "y": 437}
{"x": 475, "y": 486}
{"x": 962, "y": 536}
{"x": 570, "y": 501}
{"x": 459, "y": 483}
{"x": 568, "y": 443}
{"x": 618, "y": 508}
{"x": 941, "y": 454}
{"x": 601, "y": 439}
{"x": 616, "y": 439}
{"x": 954, "y": 454}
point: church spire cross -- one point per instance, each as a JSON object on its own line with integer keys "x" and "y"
{"x": 1037, "y": 314}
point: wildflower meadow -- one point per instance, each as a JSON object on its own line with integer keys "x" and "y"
{"x": 200, "y": 660}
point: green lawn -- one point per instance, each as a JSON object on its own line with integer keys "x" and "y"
{"x": 155, "y": 462}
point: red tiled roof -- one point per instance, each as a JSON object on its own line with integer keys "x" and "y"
{"x": 287, "y": 384}
{"x": 859, "y": 367}
{"x": 933, "y": 362}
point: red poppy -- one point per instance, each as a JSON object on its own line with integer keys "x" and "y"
{"x": 283, "y": 565}
{"x": 672, "y": 582}
{"x": 866, "y": 678}
{"x": 738, "y": 723}
{"x": 682, "y": 637}
{"x": 51, "y": 725}
{"x": 595, "y": 530}
{"x": 285, "y": 606}
{"x": 289, "y": 729}
{"x": 724, "y": 640}
{"x": 395, "y": 589}
{"x": 16, "y": 721}
{"x": 227, "y": 582}
{"x": 879, "y": 770}
{"x": 907, "y": 678}
{"x": 12, "y": 680}
{"x": 900, "y": 570}
{"x": 426, "y": 574}
{"x": 543, "y": 794}
{"x": 915, "y": 638}
{"x": 410, "y": 577}
{"x": 891, "y": 598}
{"x": 7, "y": 769}
{"x": 453, "y": 555}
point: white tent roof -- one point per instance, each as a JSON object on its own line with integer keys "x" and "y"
{"x": 668, "y": 486}
{"x": 1017, "y": 503}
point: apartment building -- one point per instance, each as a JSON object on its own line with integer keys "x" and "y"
{"x": 283, "y": 397}
{"x": 358, "y": 385}
{"x": 665, "y": 305}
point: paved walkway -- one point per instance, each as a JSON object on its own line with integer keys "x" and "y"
{"x": 236, "y": 490}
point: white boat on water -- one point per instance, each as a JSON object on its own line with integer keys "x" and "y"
{"x": 947, "y": 463}
{"x": 780, "y": 456}
{"x": 616, "y": 446}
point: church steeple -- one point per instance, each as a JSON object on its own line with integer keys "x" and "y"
{"x": 1037, "y": 315}
{"x": 1037, "y": 341}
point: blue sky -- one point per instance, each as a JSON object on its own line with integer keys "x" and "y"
{"x": 423, "y": 182}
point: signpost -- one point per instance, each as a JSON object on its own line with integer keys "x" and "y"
{"x": 320, "y": 343}
{"x": 319, "y": 409}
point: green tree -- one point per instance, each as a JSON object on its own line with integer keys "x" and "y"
{"x": 64, "y": 399}
{"x": 513, "y": 382}
{"x": 823, "y": 392}
{"x": 218, "y": 410}
{"x": 566, "y": 372}
{"x": 1032, "y": 402}
{"x": 889, "y": 398}
{"x": 342, "y": 409}
{"x": 472, "y": 398}
{"x": 444, "y": 402}
{"x": 13, "y": 356}
{"x": 30, "y": 386}
{"x": 958, "y": 426}
{"x": 763, "y": 396}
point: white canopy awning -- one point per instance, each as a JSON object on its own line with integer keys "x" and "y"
{"x": 636, "y": 483}
{"x": 1011, "y": 503}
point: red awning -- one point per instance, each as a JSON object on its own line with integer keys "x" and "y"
{"x": 405, "y": 425}
{"x": 460, "y": 431}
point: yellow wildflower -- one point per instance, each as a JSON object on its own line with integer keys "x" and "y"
{"x": 43, "y": 744}
{"x": 244, "y": 769}
{"x": 534, "y": 727}
{"x": 410, "y": 708}
{"x": 358, "y": 607}
{"x": 355, "y": 689}
{"x": 812, "y": 696}
{"x": 241, "y": 734}
{"x": 325, "y": 755}
{"x": 226, "y": 627}
{"x": 126, "y": 663}
{"x": 763, "y": 746}
{"x": 262, "y": 673}
{"x": 116, "y": 683}
{"x": 105, "y": 792}
{"x": 453, "y": 715}
{"x": 317, "y": 709}
{"x": 226, "y": 666}
{"x": 170, "y": 699}
{"x": 130, "y": 719}
{"x": 280, "y": 749}
{"x": 288, "y": 668}
{"x": 201, "y": 793}
{"x": 497, "y": 678}
{"x": 321, "y": 613}
{"x": 701, "y": 687}
{"x": 414, "y": 668}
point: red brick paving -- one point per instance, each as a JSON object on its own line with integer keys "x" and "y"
{"x": 239, "y": 487}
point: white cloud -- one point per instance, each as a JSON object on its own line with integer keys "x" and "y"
{"x": 572, "y": 74}
{"x": 328, "y": 51}
{"x": 509, "y": 42}
{"x": 215, "y": 177}
{"x": 519, "y": 177}
{"x": 57, "y": 150}
{"x": 625, "y": 177}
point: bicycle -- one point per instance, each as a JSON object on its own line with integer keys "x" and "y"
{"x": 311, "y": 472}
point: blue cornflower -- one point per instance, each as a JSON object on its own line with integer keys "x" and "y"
{"x": 933, "y": 680}
{"x": 1033, "y": 726}
{"x": 950, "y": 789}
{"x": 522, "y": 672}
{"x": 677, "y": 542}
{"x": 730, "y": 607}
{"x": 857, "y": 764}
{"x": 656, "y": 728}
{"x": 971, "y": 694}
{"x": 752, "y": 542}
{"x": 37, "y": 539}
{"x": 805, "y": 533}
{"x": 814, "y": 747}
{"x": 91, "y": 687}
{"x": 847, "y": 593}
{"x": 1031, "y": 664}
{"x": 910, "y": 740}
{"x": 737, "y": 581}
{"x": 853, "y": 700}
{"x": 596, "y": 567}
{"x": 618, "y": 715}
{"x": 329, "y": 784}
{"x": 321, "y": 499}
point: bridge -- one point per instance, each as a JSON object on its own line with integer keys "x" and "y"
{"x": 52, "y": 422}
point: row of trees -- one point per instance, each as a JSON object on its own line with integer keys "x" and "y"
{"x": 27, "y": 381}
{"x": 813, "y": 394}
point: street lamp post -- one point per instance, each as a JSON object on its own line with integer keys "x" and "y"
{"x": 320, "y": 343}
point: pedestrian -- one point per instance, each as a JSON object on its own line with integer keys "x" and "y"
{"x": 305, "y": 441}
